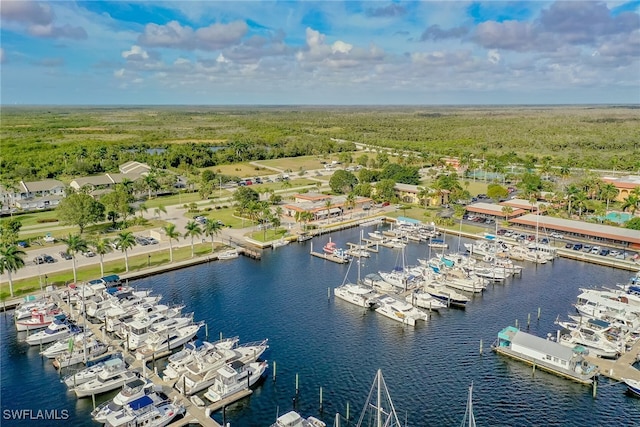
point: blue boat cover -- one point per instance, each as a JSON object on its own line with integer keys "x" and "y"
{"x": 141, "y": 403}
{"x": 111, "y": 278}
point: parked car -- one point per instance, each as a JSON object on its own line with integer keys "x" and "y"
{"x": 556, "y": 235}
{"x": 200, "y": 219}
{"x": 568, "y": 245}
{"x": 65, "y": 255}
{"x": 544, "y": 241}
{"x": 23, "y": 244}
{"x": 152, "y": 240}
{"x": 49, "y": 238}
{"x": 89, "y": 254}
{"x": 586, "y": 248}
{"x": 604, "y": 252}
{"x": 614, "y": 253}
{"x": 142, "y": 241}
{"x": 595, "y": 250}
{"x": 44, "y": 258}
{"x": 577, "y": 247}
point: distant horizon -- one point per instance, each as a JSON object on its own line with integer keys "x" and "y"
{"x": 625, "y": 105}
{"x": 320, "y": 53}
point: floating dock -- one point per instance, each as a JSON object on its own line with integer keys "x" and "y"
{"x": 328, "y": 257}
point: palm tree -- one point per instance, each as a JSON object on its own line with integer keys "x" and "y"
{"x": 151, "y": 182}
{"x": 172, "y": 234}
{"x": 192, "y": 229}
{"x": 608, "y": 192}
{"x": 102, "y": 247}
{"x": 125, "y": 241}
{"x": 142, "y": 209}
{"x": 11, "y": 260}
{"x": 75, "y": 243}
{"x": 506, "y": 211}
{"x": 160, "y": 209}
{"x": 212, "y": 229}
{"x": 631, "y": 201}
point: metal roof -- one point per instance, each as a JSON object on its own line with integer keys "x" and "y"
{"x": 580, "y": 227}
{"x": 542, "y": 345}
{"x": 492, "y": 209}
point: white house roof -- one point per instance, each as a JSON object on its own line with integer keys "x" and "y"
{"x": 37, "y": 186}
{"x": 134, "y": 167}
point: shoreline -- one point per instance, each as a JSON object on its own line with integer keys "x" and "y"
{"x": 255, "y": 254}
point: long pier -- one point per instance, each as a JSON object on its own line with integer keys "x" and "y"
{"x": 193, "y": 413}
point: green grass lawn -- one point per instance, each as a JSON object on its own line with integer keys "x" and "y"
{"x": 136, "y": 263}
{"x": 268, "y": 235}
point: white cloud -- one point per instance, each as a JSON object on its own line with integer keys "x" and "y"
{"x": 341, "y": 47}
{"x": 119, "y": 73}
{"x": 175, "y": 35}
{"x": 493, "y": 56}
{"x": 135, "y": 53}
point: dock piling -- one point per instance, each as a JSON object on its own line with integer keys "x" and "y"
{"x": 528, "y": 320}
{"x": 516, "y": 323}
{"x": 595, "y": 388}
{"x": 320, "y": 399}
{"x": 274, "y": 371}
{"x": 538, "y": 313}
{"x": 480, "y": 346}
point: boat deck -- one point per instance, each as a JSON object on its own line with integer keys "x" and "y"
{"x": 193, "y": 413}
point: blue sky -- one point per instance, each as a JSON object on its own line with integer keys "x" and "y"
{"x": 328, "y": 52}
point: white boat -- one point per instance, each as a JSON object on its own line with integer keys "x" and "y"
{"x": 63, "y": 345}
{"x": 91, "y": 372}
{"x": 38, "y": 320}
{"x": 460, "y": 280}
{"x": 235, "y": 377}
{"x": 160, "y": 342}
{"x": 489, "y": 273}
{"x": 152, "y": 410}
{"x": 32, "y": 304}
{"x": 177, "y": 362}
{"x": 544, "y": 354}
{"x": 138, "y": 331}
{"x": 448, "y": 296}
{"x": 377, "y": 282}
{"x": 633, "y": 386}
{"x": 116, "y": 317}
{"x": 293, "y": 419}
{"x": 376, "y": 235}
{"x": 279, "y": 243}
{"x": 229, "y": 254}
{"x": 111, "y": 377}
{"x": 438, "y": 244}
{"x": 130, "y": 391}
{"x": 85, "y": 353}
{"x": 400, "y": 310}
{"x": 424, "y": 299}
{"x": 57, "y": 330}
{"x": 358, "y": 294}
{"x": 201, "y": 373}
{"x": 597, "y": 344}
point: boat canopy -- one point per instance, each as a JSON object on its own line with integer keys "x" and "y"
{"x": 111, "y": 278}
{"x": 141, "y": 403}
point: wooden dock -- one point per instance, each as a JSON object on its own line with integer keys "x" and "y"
{"x": 620, "y": 368}
{"x": 330, "y": 257}
{"x": 368, "y": 245}
{"x": 193, "y": 414}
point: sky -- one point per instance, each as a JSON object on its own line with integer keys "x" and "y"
{"x": 319, "y": 52}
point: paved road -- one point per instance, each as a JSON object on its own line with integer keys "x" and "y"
{"x": 175, "y": 214}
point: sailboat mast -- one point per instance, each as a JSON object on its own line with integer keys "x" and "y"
{"x": 379, "y": 398}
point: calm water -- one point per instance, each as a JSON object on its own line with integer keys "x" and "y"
{"x": 339, "y": 347}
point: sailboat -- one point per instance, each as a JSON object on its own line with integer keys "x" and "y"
{"x": 469, "y": 420}
{"x": 381, "y": 409}
{"x": 357, "y": 293}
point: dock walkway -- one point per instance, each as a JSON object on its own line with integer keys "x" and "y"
{"x": 193, "y": 414}
{"x": 620, "y": 368}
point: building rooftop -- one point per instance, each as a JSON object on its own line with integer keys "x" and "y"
{"x": 492, "y": 209}
{"x": 580, "y": 227}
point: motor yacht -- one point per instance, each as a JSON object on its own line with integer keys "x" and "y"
{"x": 293, "y": 419}
{"x": 234, "y": 377}
{"x": 57, "y": 330}
{"x": 425, "y": 300}
{"x": 113, "y": 376}
{"x": 130, "y": 391}
{"x": 63, "y": 344}
{"x": 167, "y": 340}
{"x": 399, "y": 310}
{"x": 91, "y": 372}
{"x": 151, "y": 410}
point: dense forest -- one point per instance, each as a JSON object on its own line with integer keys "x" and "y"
{"x": 65, "y": 142}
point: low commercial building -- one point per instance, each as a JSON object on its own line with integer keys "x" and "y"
{"x": 491, "y": 210}
{"x": 416, "y": 195}
{"x": 605, "y": 234}
{"x": 323, "y": 206}
{"x": 624, "y": 184}
{"x": 32, "y": 194}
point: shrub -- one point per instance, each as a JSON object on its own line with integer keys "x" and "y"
{"x": 46, "y": 220}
